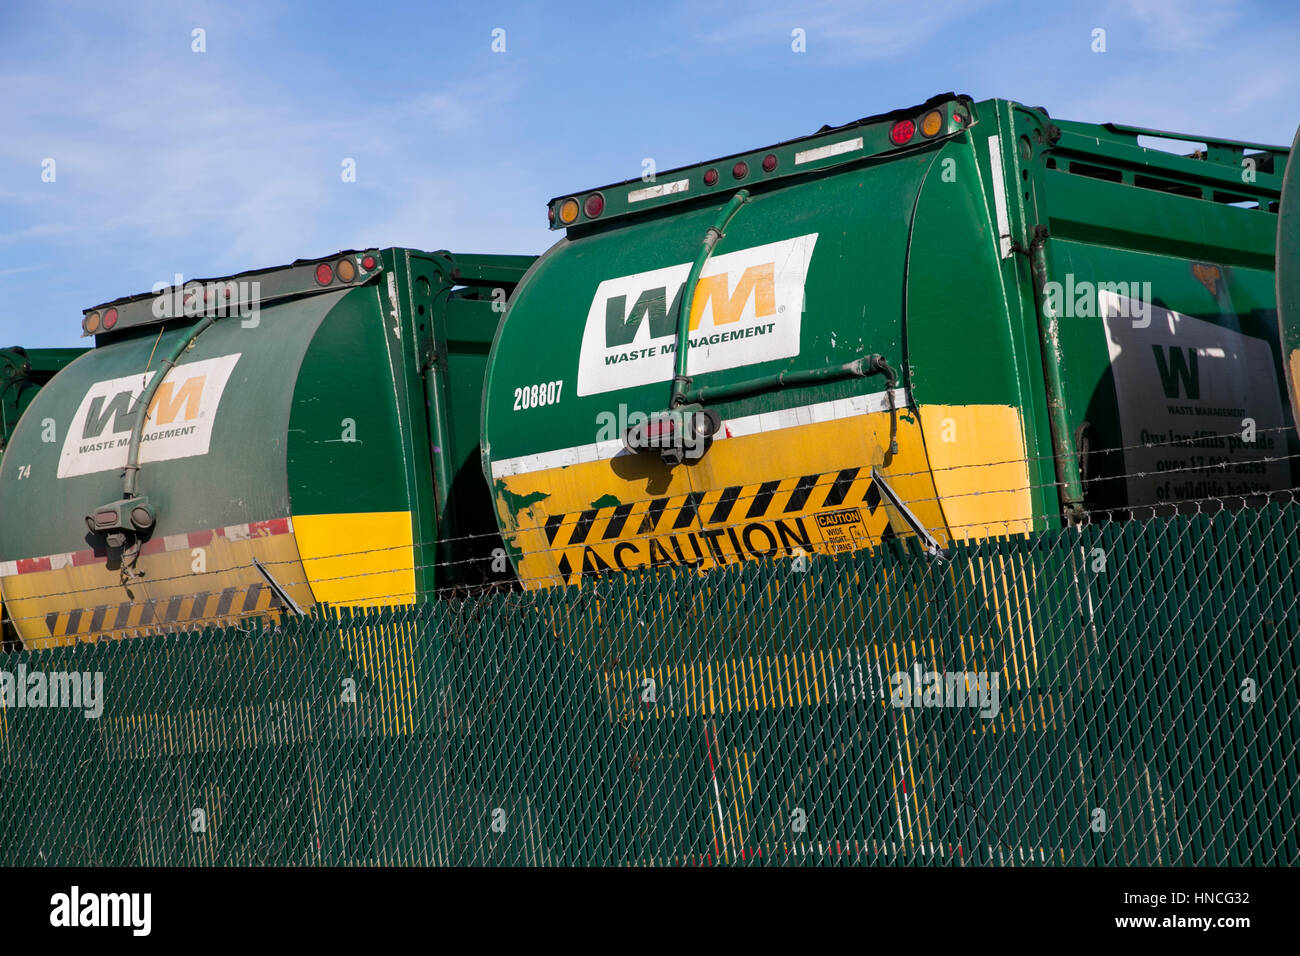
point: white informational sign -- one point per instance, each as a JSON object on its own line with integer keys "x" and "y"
{"x": 747, "y": 309}
{"x": 179, "y": 424}
{"x": 1196, "y": 392}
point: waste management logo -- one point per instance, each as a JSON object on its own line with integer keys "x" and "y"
{"x": 747, "y": 309}
{"x": 179, "y": 423}
{"x": 1188, "y": 394}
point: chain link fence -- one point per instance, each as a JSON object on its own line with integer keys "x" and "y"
{"x": 1121, "y": 692}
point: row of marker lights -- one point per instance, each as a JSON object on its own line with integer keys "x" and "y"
{"x": 594, "y": 204}
{"x": 345, "y": 269}
{"x": 900, "y": 134}
{"x": 95, "y": 322}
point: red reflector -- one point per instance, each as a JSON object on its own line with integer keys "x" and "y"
{"x": 324, "y": 274}
{"x": 710, "y": 177}
{"x": 902, "y": 132}
{"x": 740, "y": 170}
{"x": 110, "y": 318}
{"x": 769, "y": 163}
{"x": 368, "y": 263}
{"x": 105, "y": 517}
{"x": 656, "y": 429}
{"x": 594, "y": 205}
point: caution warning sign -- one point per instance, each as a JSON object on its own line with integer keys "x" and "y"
{"x": 843, "y": 530}
{"x": 704, "y": 529}
{"x": 801, "y": 484}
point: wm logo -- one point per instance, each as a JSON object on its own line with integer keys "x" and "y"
{"x": 757, "y": 283}
{"x": 172, "y": 399}
{"x": 178, "y": 422}
{"x": 747, "y": 310}
{"x": 1178, "y": 371}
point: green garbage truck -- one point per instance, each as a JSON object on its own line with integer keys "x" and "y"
{"x": 258, "y": 443}
{"x": 944, "y": 322}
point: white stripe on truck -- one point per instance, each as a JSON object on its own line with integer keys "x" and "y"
{"x": 822, "y": 152}
{"x": 731, "y": 428}
{"x": 663, "y": 189}
{"x": 1000, "y": 196}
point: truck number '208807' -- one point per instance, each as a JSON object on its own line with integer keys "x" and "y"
{"x": 533, "y": 396}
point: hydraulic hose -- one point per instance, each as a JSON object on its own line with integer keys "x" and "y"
{"x": 130, "y": 482}
{"x": 712, "y": 235}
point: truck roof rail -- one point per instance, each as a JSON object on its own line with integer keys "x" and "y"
{"x": 898, "y": 131}
{"x": 1235, "y": 146}
{"x": 225, "y": 295}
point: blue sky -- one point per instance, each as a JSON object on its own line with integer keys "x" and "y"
{"x": 171, "y": 161}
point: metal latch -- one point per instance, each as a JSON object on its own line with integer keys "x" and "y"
{"x": 932, "y": 547}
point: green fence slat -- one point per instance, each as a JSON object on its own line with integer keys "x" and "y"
{"x": 1146, "y": 714}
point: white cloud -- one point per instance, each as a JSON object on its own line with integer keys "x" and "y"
{"x": 208, "y": 164}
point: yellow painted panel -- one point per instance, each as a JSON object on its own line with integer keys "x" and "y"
{"x": 1295, "y": 382}
{"x": 774, "y": 510}
{"x": 967, "y": 478}
{"x": 977, "y": 454}
{"x": 181, "y": 589}
{"x": 365, "y": 559}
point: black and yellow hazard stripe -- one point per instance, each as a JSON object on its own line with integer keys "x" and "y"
{"x": 163, "y": 614}
{"x": 811, "y": 513}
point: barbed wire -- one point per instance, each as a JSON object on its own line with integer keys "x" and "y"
{"x": 1017, "y": 523}
{"x": 1011, "y": 527}
{"x": 1102, "y": 706}
{"x": 892, "y": 476}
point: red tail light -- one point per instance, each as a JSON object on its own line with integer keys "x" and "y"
{"x": 324, "y": 274}
{"x": 110, "y": 318}
{"x": 901, "y": 133}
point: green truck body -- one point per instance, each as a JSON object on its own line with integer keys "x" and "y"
{"x": 1005, "y": 320}
{"x": 316, "y": 441}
